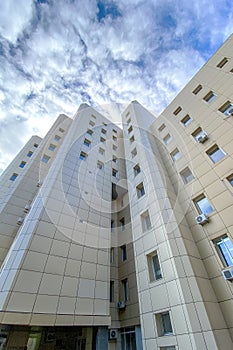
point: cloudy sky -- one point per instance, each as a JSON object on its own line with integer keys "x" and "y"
{"x": 56, "y": 54}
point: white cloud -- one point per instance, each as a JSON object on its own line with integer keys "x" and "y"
{"x": 64, "y": 56}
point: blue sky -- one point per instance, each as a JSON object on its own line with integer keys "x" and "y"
{"x": 56, "y": 54}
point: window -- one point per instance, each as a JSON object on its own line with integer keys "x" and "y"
{"x": 35, "y": 145}
{"x": 114, "y": 147}
{"x": 215, "y": 153}
{"x": 61, "y": 130}
{"x": 167, "y": 139}
{"x": 134, "y": 152}
{"x": 114, "y": 159}
{"x": 130, "y": 129}
{"x": 186, "y": 120}
{"x": 163, "y": 323}
{"x": 57, "y": 138}
{"x": 128, "y": 121}
{"x": 175, "y": 154}
{"x": 123, "y": 253}
{"x": 145, "y": 220}
{"x": 101, "y": 151}
{"x": 102, "y": 139}
{"x": 169, "y": 347}
{"x": 202, "y": 204}
{"x": 199, "y": 135}
{"x": 132, "y": 139}
{"x": 222, "y": 62}
{"x": 224, "y": 248}
{"x": 89, "y": 132}
{"x": 112, "y": 252}
{"x": 154, "y": 266}
{"x": 105, "y": 124}
{"x": 140, "y": 190}
{"x": 114, "y": 131}
{"x": 122, "y": 223}
{"x": 100, "y": 165}
{"x": 136, "y": 169}
{"x": 177, "y": 111}
{"x": 186, "y": 175}
{"x": 197, "y": 89}
{"x": 13, "y": 176}
{"x": 93, "y": 116}
{"x": 83, "y": 156}
{"x": 231, "y": 70}
{"x": 91, "y": 123}
{"x": 112, "y": 225}
{"x": 22, "y": 164}
{"x": 45, "y": 158}
{"x": 87, "y": 142}
{"x": 125, "y": 286}
{"x": 163, "y": 126}
{"x": 227, "y": 108}
{"x": 103, "y": 131}
{"x": 114, "y": 138}
{"x": 30, "y": 153}
{"x": 210, "y": 97}
{"x": 114, "y": 173}
{"x": 230, "y": 179}
{"x": 111, "y": 296}
{"x": 52, "y": 147}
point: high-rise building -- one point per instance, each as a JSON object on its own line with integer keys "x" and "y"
{"x": 121, "y": 238}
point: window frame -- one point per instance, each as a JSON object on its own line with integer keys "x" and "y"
{"x": 220, "y": 251}
{"x": 213, "y": 151}
{"x": 199, "y": 208}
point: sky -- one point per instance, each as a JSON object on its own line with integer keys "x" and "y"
{"x": 56, "y": 54}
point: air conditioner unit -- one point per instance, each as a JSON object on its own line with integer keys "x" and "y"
{"x": 113, "y": 333}
{"x": 27, "y": 208}
{"x": 50, "y": 337}
{"x": 229, "y": 112}
{"x": 20, "y": 221}
{"x": 202, "y": 137}
{"x": 201, "y": 219}
{"x": 228, "y": 274}
{"x": 121, "y": 305}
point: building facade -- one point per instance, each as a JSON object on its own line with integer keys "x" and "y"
{"x": 120, "y": 238}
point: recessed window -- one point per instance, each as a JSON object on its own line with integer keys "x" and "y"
{"x": 163, "y": 126}
{"x": 114, "y": 173}
{"x": 91, "y": 123}
{"x": 114, "y": 138}
{"x": 30, "y": 153}
{"x": 145, "y": 220}
{"x": 102, "y": 139}
{"x": 57, "y": 138}
{"x": 105, "y": 124}
{"x": 199, "y": 135}
{"x": 112, "y": 225}
{"x": 136, "y": 169}
{"x": 134, "y": 152}
{"x": 114, "y": 159}
{"x": 169, "y": 347}
{"x": 215, "y": 153}
{"x": 175, "y": 154}
{"x": 123, "y": 253}
{"x": 101, "y": 151}
{"x": 89, "y": 132}
{"x": 222, "y": 62}
{"x": 167, "y": 139}
{"x": 227, "y": 108}
{"x": 112, "y": 253}
{"x": 93, "y": 116}
{"x": 132, "y": 139}
{"x": 224, "y": 248}
{"x": 128, "y": 121}
{"x": 45, "y": 158}
{"x": 13, "y": 176}
{"x": 122, "y": 223}
{"x": 61, "y": 130}
{"x": 186, "y": 175}
{"x": 231, "y": 70}
{"x": 35, "y": 145}
{"x": 186, "y": 120}
{"x": 125, "y": 285}
{"x": 111, "y": 296}
{"x": 230, "y": 179}
{"x": 22, "y": 164}
{"x": 83, "y": 156}
{"x": 52, "y": 147}
{"x": 154, "y": 266}
{"x": 100, "y": 165}
{"x": 114, "y": 131}
{"x": 114, "y": 147}
{"x": 103, "y": 131}
{"x": 163, "y": 323}
{"x": 210, "y": 97}
{"x": 202, "y": 204}
{"x": 130, "y": 129}
{"x": 140, "y": 190}
{"x": 87, "y": 142}
{"x": 177, "y": 111}
{"x": 197, "y": 89}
